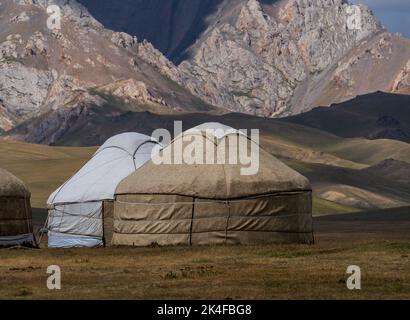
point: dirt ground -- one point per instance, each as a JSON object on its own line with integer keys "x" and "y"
{"x": 378, "y": 242}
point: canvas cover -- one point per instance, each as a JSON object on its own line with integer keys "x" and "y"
{"x": 16, "y": 226}
{"x": 75, "y": 225}
{"x": 108, "y": 219}
{"x": 171, "y": 204}
{"x": 11, "y": 186}
{"x": 75, "y": 215}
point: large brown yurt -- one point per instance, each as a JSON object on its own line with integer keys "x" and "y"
{"x": 202, "y": 204}
{"x": 16, "y": 227}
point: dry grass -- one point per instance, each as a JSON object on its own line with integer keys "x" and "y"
{"x": 249, "y": 272}
{"x": 42, "y": 168}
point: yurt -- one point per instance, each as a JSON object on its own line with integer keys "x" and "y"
{"x": 16, "y": 227}
{"x": 81, "y": 210}
{"x": 213, "y": 203}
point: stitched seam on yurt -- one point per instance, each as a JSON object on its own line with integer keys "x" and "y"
{"x": 136, "y": 151}
{"x": 213, "y": 231}
{"x": 187, "y": 203}
{"x": 77, "y": 234}
{"x": 242, "y": 198}
{"x": 192, "y": 222}
{"x": 26, "y": 212}
{"x": 226, "y": 203}
{"x": 75, "y": 214}
{"x": 144, "y": 143}
{"x": 57, "y": 204}
{"x": 215, "y": 217}
{"x": 111, "y": 147}
{"x": 313, "y": 226}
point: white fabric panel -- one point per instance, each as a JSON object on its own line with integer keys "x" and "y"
{"x": 115, "y": 160}
{"x": 59, "y": 240}
{"x": 97, "y": 180}
{"x": 129, "y": 141}
{"x": 144, "y": 154}
{"x": 84, "y": 219}
{"x": 16, "y": 240}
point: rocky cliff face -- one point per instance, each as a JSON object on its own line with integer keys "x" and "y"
{"x": 275, "y": 58}
{"x": 172, "y": 26}
{"x": 269, "y": 58}
{"x": 43, "y": 69}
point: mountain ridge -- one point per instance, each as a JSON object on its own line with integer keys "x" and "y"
{"x": 276, "y": 58}
{"x": 267, "y": 58}
{"x": 43, "y": 70}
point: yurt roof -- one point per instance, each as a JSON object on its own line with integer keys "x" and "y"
{"x": 118, "y": 157}
{"x": 128, "y": 142}
{"x": 11, "y": 186}
{"x": 214, "y": 181}
{"x": 220, "y": 130}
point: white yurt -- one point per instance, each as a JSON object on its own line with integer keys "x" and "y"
{"x": 80, "y": 211}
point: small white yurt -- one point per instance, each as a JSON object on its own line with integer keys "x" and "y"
{"x": 80, "y": 213}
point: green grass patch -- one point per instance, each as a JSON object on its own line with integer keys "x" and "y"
{"x": 322, "y": 207}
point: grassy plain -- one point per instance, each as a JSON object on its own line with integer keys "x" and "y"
{"x": 380, "y": 247}
{"x": 378, "y": 242}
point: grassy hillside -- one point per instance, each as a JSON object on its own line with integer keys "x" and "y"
{"x": 375, "y": 116}
{"x": 42, "y": 168}
{"x": 336, "y": 166}
{"x": 370, "y": 151}
{"x": 322, "y": 207}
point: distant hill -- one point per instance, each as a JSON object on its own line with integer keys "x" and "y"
{"x": 347, "y": 174}
{"x": 392, "y": 169}
{"x": 365, "y": 189}
{"x": 373, "y": 116}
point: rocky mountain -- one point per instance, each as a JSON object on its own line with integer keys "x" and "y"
{"x": 269, "y": 57}
{"x": 287, "y": 57}
{"x": 45, "y": 70}
{"x": 172, "y": 26}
